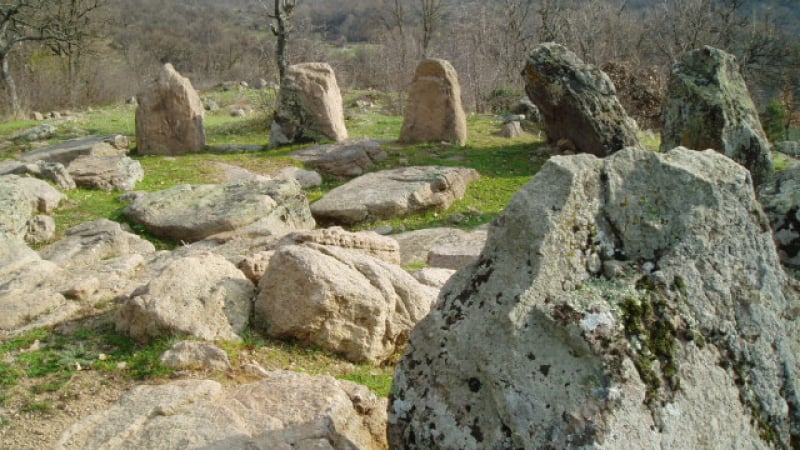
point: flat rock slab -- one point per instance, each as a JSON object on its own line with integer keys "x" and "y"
{"x": 459, "y": 253}
{"x": 394, "y": 193}
{"x": 106, "y": 173}
{"x": 66, "y": 152}
{"x": 344, "y": 159}
{"x": 91, "y": 242}
{"x": 416, "y": 245}
{"x": 283, "y": 411}
{"x": 194, "y": 212}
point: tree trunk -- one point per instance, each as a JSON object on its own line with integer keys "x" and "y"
{"x": 280, "y": 32}
{"x": 10, "y": 86}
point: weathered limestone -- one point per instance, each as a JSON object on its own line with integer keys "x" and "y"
{"x": 708, "y": 106}
{"x": 577, "y": 101}
{"x": 393, "y": 193}
{"x": 340, "y": 300}
{"x": 169, "y": 117}
{"x": 457, "y": 254}
{"x": 366, "y": 242}
{"x": 434, "y": 112}
{"x": 203, "y": 296}
{"x": 65, "y": 152}
{"x": 344, "y": 159}
{"x": 91, "y": 242}
{"x": 22, "y": 198}
{"x": 532, "y": 347}
{"x": 106, "y": 172}
{"x": 191, "y": 213}
{"x": 285, "y": 410}
{"x": 195, "y": 355}
{"x": 309, "y": 106}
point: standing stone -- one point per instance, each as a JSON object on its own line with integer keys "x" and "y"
{"x": 169, "y": 118}
{"x": 309, "y": 106}
{"x": 577, "y": 101}
{"x": 692, "y": 346}
{"x": 708, "y": 106}
{"x": 434, "y": 112}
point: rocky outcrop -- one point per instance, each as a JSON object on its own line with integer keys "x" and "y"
{"x": 23, "y": 198}
{"x": 284, "y": 410}
{"x": 106, "y": 173}
{"x": 195, "y": 355}
{"x": 203, "y": 296}
{"x": 532, "y": 347}
{"x": 309, "y": 106}
{"x": 340, "y": 300}
{"x": 169, "y": 117}
{"x": 577, "y": 101}
{"x": 366, "y": 242}
{"x": 66, "y": 152}
{"x": 90, "y": 242}
{"x": 344, "y": 159}
{"x": 434, "y": 112}
{"x": 781, "y": 201}
{"x": 393, "y": 193}
{"x": 708, "y": 106}
{"x": 191, "y": 213}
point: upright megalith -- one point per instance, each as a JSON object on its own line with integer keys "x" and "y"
{"x": 309, "y": 106}
{"x": 626, "y": 303}
{"x": 434, "y": 112}
{"x": 578, "y": 102}
{"x": 708, "y": 106}
{"x": 169, "y": 118}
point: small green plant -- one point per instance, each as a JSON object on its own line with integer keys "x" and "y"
{"x": 773, "y": 120}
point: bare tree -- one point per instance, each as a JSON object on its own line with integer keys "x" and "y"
{"x": 48, "y": 21}
{"x": 431, "y": 14}
{"x": 281, "y": 29}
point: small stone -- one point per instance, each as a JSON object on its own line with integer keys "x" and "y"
{"x": 456, "y": 218}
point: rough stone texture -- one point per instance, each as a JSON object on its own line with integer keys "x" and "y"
{"x": 194, "y": 354}
{"x": 309, "y": 106}
{"x": 434, "y": 112}
{"x": 781, "y": 201}
{"x": 415, "y": 245}
{"x": 21, "y": 198}
{"x": 284, "y": 411}
{"x": 37, "y": 133}
{"x": 255, "y": 266}
{"x": 91, "y": 242}
{"x": 41, "y": 229}
{"x": 191, "y": 213}
{"x": 55, "y": 172}
{"x": 791, "y": 148}
{"x": 394, "y": 193}
{"x": 708, "y": 106}
{"x": 306, "y": 178}
{"x": 366, "y": 242}
{"x": 340, "y": 300}
{"x": 530, "y": 347}
{"x": 169, "y": 118}
{"x": 65, "y": 152}
{"x": 577, "y": 102}
{"x": 203, "y": 296}
{"x": 344, "y": 159}
{"x": 106, "y": 172}
{"x": 433, "y": 276}
{"x": 511, "y": 130}
{"x": 457, "y": 254}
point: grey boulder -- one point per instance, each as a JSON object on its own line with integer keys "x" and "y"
{"x": 106, "y": 173}
{"x": 343, "y": 159}
{"x": 65, "y": 152}
{"x": 394, "y": 193}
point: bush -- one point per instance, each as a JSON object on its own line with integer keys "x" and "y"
{"x": 773, "y": 119}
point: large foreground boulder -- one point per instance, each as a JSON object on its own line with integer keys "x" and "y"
{"x": 340, "y": 300}
{"x": 577, "y": 101}
{"x": 394, "y": 193}
{"x": 194, "y": 212}
{"x": 309, "y": 106}
{"x": 434, "y": 112}
{"x": 283, "y": 411}
{"x": 687, "y": 341}
{"x": 169, "y": 118}
{"x": 708, "y": 106}
{"x": 203, "y": 296}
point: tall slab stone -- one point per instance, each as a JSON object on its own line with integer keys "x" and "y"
{"x": 434, "y": 112}
{"x": 708, "y": 106}
{"x": 169, "y": 118}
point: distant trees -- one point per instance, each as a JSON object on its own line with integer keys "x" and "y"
{"x": 57, "y": 23}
